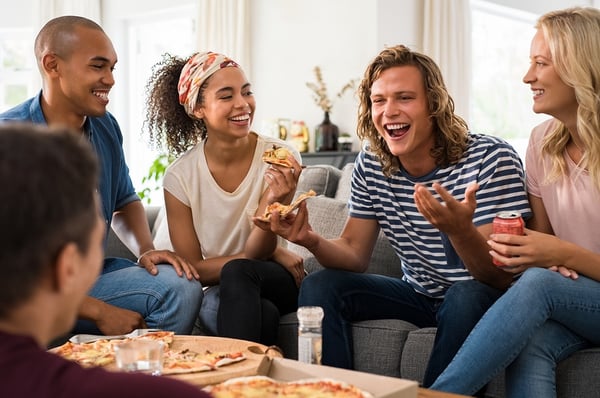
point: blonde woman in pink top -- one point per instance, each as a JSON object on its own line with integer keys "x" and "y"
{"x": 553, "y": 310}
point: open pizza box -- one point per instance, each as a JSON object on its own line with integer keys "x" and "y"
{"x": 379, "y": 386}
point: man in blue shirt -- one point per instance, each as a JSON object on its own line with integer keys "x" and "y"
{"x": 76, "y": 60}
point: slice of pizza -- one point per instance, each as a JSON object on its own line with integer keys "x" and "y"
{"x": 100, "y": 352}
{"x": 188, "y": 361}
{"x": 97, "y": 353}
{"x": 284, "y": 210}
{"x": 278, "y": 155}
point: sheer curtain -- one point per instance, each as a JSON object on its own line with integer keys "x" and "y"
{"x": 45, "y": 10}
{"x": 223, "y": 26}
{"x": 447, "y": 39}
{"x": 48, "y": 9}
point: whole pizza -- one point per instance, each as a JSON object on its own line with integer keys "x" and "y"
{"x": 262, "y": 386}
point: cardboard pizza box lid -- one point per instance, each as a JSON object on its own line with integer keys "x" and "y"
{"x": 379, "y": 386}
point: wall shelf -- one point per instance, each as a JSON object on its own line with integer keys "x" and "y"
{"x": 337, "y": 159}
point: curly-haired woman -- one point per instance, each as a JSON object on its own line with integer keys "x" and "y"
{"x": 202, "y": 109}
{"x": 417, "y": 182}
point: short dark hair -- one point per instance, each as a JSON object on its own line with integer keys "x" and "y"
{"x": 57, "y": 35}
{"x": 48, "y": 180}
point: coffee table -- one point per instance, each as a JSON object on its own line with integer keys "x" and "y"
{"x": 427, "y": 393}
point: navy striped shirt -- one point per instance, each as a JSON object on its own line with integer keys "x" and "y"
{"x": 429, "y": 262}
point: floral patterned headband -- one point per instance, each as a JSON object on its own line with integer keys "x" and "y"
{"x": 195, "y": 72}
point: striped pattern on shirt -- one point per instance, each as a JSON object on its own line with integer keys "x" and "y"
{"x": 429, "y": 262}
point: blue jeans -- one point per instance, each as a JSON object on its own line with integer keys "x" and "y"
{"x": 348, "y": 297}
{"x": 541, "y": 320}
{"x": 166, "y": 301}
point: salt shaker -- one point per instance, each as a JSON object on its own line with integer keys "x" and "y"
{"x": 309, "y": 334}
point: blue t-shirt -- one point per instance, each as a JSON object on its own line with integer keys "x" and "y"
{"x": 116, "y": 189}
{"x": 429, "y": 262}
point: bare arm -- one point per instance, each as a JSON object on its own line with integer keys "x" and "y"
{"x": 186, "y": 244}
{"x": 131, "y": 226}
{"x": 351, "y": 251}
{"x": 455, "y": 219}
{"x": 108, "y": 318}
{"x": 540, "y": 248}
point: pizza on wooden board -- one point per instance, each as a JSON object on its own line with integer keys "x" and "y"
{"x": 262, "y": 386}
{"x": 101, "y": 353}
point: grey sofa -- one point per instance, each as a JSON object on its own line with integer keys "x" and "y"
{"x": 388, "y": 347}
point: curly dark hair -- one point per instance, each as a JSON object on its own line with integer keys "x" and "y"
{"x": 450, "y": 130}
{"x": 167, "y": 123}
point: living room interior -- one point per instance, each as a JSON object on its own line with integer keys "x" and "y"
{"x": 281, "y": 43}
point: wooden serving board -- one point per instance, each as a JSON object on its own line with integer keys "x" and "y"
{"x": 248, "y": 367}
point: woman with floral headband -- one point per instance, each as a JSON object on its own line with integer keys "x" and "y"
{"x": 202, "y": 109}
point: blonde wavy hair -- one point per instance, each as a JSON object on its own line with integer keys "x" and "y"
{"x": 450, "y": 130}
{"x": 573, "y": 36}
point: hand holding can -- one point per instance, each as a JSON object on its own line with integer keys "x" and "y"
{"x": 508, "y": 222}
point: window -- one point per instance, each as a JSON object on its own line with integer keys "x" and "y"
{"x": 501, "y": 104}
{"x": 148, "y": 38}
{"x": 16, "y": 67}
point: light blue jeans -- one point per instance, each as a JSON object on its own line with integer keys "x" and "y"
{"x": 538, "y": 322}
{"x": 166, "y": 301}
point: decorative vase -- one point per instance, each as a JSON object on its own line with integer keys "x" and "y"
{"x": 326, "y": 135}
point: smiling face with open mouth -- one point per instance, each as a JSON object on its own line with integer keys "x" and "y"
{"x": 551, "y": 95}
{"x": 84, "y": 73}
{"x": 228, "y": 103}
{"x": 401, "y": 116}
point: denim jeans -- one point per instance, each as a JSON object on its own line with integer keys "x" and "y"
{"x": 166, "y": 301}
{"x": 541, "y": 320}
{"x": 348, "y": 297}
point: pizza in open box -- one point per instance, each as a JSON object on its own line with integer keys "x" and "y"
{"x": 262, "y": 386}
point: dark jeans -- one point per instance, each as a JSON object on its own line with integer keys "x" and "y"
{"x": 253, "y": 294}
{"x": 348, "y": 297}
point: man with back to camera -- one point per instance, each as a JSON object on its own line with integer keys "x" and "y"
{"x": 51, "y": 254}
{"x": 76, "y": 60}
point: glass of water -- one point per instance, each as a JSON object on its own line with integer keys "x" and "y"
{"x": 141, "y": 355}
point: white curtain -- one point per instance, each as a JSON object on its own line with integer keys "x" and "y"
{"x": 223, "y": 27}
{"x": 45, "y": 10}
{"x": 447, "y": 39}
{"x": 48, "y": 9}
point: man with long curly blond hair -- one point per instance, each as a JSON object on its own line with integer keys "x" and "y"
{"x": 417, "y": 181}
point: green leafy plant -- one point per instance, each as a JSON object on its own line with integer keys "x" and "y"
{"x": 152, "y": 181}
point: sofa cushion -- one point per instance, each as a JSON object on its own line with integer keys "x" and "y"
{"x": 343, "y": 188}
{"x": 577, "y": 375}
{"x": 323, "y": 179}
{"x": 415, "y": 355}
{"x": 160, "y": 232}
{"x": 383, "y": 359}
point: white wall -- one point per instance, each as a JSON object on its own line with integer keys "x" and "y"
{"x": 289, "y": 38}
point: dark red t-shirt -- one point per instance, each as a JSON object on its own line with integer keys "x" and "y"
{"x": 27, "y": 371}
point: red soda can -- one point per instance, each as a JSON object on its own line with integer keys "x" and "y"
{"x": 508, "y": 222}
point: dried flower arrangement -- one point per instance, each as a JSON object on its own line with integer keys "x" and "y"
{"x": 319, "y": 90}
